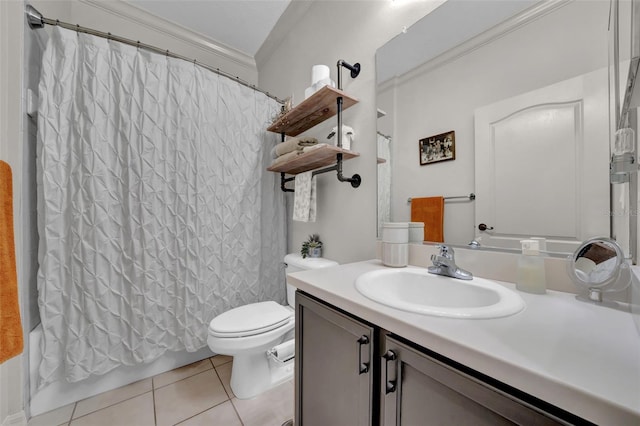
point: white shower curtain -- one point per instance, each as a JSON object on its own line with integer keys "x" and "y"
{"x": 156, "y": 212}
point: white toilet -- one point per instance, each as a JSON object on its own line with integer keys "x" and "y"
{"x": 259, "y": 336}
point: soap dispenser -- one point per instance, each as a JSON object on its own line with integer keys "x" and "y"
{"x": 531, "y": 273}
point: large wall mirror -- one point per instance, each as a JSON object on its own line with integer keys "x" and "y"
{"x": 525, "y": 87}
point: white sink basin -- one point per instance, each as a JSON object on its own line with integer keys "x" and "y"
{"x": 416, "y": 290}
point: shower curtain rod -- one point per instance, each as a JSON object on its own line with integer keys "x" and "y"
{"x": 36, "y": 21}
{"x": 385, "y": 136}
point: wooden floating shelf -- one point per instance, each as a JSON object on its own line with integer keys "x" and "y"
{"x": 311, "y": 160}
{"x": 313, "y": 110}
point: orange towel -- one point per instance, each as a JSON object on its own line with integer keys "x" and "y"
{"x": 10, "y": 326}
{"x": 429, "y": 210}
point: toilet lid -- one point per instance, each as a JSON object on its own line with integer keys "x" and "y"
{"x": 251, "y": 319}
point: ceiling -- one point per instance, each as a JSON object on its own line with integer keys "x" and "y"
{"x": 239, "y": 24}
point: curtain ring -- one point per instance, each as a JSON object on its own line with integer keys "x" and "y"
{"x": 167, "y": 53}
{"x": 138, "y": 44}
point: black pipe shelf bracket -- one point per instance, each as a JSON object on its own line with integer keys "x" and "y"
{"x": 354, "y": 180}
{"x": 283, "y": 182}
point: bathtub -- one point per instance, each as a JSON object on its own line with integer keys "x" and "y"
{"x": 61, "y": 393}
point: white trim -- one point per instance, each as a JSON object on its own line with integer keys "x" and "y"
{"x": 15, "y": 419}
{"x": 139, "y": 16}
{"x": 492, "y": 34}
{"x": 4, "y": 65}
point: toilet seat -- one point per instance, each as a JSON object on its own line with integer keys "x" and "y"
{"x": 250, "y": 320}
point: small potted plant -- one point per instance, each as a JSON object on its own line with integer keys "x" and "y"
{"x": 312, "y": 247}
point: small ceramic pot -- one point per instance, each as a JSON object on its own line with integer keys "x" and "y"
{"x": 315, "y": 251}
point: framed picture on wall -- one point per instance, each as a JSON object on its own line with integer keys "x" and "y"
{"x": 437, "y": 148}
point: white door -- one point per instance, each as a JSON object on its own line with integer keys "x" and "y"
{"x": 542, "y": 165}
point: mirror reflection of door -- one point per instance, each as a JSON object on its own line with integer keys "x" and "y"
{"x": 531, "y": 50}
{"x": 542, "y": 165}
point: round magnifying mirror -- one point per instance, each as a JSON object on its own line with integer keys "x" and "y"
{"x": 598, "y": 265}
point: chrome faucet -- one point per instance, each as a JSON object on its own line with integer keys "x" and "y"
{"x": 445, "y": 264}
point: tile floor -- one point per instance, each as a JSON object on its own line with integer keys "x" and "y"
{"x": 196, "y": 394}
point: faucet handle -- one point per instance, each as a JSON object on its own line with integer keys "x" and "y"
{"x": 446, "y": 251}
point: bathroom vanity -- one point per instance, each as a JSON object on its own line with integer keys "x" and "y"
{"x": 360, "y": 362}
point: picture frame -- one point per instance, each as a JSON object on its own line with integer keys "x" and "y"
{"x": 437, "y": 148}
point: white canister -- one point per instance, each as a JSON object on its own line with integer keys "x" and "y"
{"x": 319, "y": 73}
{"x": 395, "y": 255}
{"x": 416, "y": 232}
{"x": 395, "y": 232}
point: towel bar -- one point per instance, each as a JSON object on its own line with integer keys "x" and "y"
{"x": 355, "y": 180}
{"x": 469, "y": 197}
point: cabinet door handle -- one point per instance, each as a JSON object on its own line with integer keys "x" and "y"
{"x": 390, "y": 385}
{"x": 363, "y": 367}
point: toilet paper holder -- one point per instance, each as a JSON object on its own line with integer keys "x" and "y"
{"x": 283, "y": 353}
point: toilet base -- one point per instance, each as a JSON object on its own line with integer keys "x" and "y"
{"x": 253, "y": 374}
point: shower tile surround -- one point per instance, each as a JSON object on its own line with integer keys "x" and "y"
{"x": 196, "y": 394}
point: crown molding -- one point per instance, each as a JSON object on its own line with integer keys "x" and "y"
{"x": 139, "y": 16}
{"x": 482, "y": 39}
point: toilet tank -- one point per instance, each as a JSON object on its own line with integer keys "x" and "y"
{"x": 294, "y": 263}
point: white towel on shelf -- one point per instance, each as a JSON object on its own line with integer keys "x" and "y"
{"x": 304, "y": 202}
{"x": 292, "y": 144}
{"x": 286, "y": 157}
{"x": 313, "y": 147}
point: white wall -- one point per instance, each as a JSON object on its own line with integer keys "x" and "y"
{"x": 322, "y": 32}
{"x": 565, "y": 43}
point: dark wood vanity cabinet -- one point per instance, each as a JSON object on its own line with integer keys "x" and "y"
{"x": 335, "y": 383}
{"x": 350, "y": 372}
{"x": 418, "y": 389}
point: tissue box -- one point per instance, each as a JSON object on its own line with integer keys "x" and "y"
{"x": 348, "y": 136}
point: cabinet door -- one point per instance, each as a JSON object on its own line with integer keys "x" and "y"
{"x": 419, "y": 390}
{"x": 334, "y": 382}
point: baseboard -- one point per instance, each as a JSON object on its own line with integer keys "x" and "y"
{"x": 15, "y": 420}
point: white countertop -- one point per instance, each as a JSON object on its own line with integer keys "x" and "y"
{"x": 578, "y": 356}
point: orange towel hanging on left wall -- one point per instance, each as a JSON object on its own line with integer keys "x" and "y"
{"x": 10, "y": 325}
